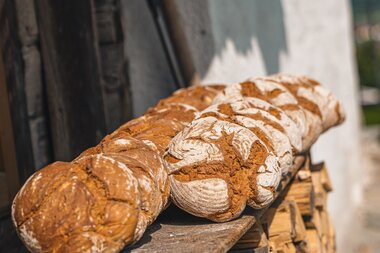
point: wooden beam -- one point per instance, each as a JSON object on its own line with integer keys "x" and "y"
{"x": 71, "y": 65}
{"x": 14, "y": 125}
{"x": 149, "y": 74}
{"x": 28, "y": 33}
{"x": 180, "y": 41}
{"x": 116, "y": 89}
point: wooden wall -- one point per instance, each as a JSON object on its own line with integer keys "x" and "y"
{"x": 74, "y": 71}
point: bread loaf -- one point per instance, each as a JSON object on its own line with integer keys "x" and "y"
{"x": 309, "y": 105}
{"x": 105, "y": 198}
{"x": 235, "y": 151}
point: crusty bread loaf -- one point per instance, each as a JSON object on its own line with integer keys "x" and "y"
{"x": 105, "y": 198}
{"x": 234, "y": 152}
{"x": 312, "y": 107}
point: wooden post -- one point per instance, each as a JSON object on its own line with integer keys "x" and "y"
{"x": 10, "y": 181}
{"x": 115, "y": 83}
{"x": 16, "y": 141}
{"x": 71, "y": 64}
{"x": 32, "y": 74}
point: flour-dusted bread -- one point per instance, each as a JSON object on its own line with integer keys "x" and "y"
{"x": 204, "y": 96}
{"x": 105, "y": 198}
{"x": 235, "y": 151}
{"x": 309, "y": 105}
{"x": 268, "y": 122}
{"x": 162, "y": 122}
{"x": 65, "y": 207}
{"x": 229, "y": 157}
{"x": 308, "y": 89}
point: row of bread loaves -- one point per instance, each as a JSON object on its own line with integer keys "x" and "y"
{"x": 105, "y": 198}
{"x": 235, "y": 152}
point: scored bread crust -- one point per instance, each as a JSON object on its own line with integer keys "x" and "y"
{"x": 313, "y": 108}
{"x": 104, "y": 199}
{"x": 212, "y": 159}
{"x": 234, "y": 152}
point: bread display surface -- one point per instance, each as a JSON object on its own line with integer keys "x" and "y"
{"x": 104, "y": 199}
{"x": 234, "y": 152}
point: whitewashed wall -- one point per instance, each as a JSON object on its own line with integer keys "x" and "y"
{"x": 306, "y": 37}
{"x": 230, "y": 40}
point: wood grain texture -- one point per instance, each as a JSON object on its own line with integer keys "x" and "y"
{"x": 71, "y": 64}
{"x": 176, "y": 231}
{"x": 13, "y": 95}
{"x": 27, "y": 29}
{"x": 114, "y": 81}
{"x": 149, "y": 74}
{"x": 7, "y": 144}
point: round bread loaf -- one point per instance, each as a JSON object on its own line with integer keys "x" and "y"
{"x": 78, "y": 207}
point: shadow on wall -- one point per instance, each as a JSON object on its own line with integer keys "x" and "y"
{"x": 243, "y": 22}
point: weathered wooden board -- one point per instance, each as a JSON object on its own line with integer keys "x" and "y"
{"x": 114, "y": 80}
{"x": 72, "y": 71}
{"x": 13, "y": 109}
{"x": 149, "y": 75}
{"x": 28, "y": 33}
{"x": 175, "y": 231}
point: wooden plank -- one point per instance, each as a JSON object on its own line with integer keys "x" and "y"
{"x": 71, "y": 64}
{"x": 190, "y": 27}
{"x": 180, "y": 42}
{"x": 325, "y": 178}
{"x": 149, "y": 75}
{"x": 4, "y": 195}
{"x": 302, "y": 191}
{"x": 254, "y": 238}
{"x": 14, "y": 123}
{"x": 157, "y": 11}
{"x": 115, "y": 86}
{"x": 280, "y": 225}
{"x": 314, "y": 242}
{"x": 176, "y": 231}
{"x": 320, "y": 194}
{"x": 299, "y": 225}
{"x": 27, "y": 30}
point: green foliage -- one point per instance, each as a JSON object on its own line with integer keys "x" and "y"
{"x": 371, "y": 115}
{"x": 368, "y": 63}
{"x": 362, "y": 8}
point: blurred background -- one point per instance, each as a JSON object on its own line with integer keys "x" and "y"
{"x": 73, "y": 71}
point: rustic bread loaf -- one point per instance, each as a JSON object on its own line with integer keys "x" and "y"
{"x": 225, "y": 159}
{"x": 105, "y": 198}
{"x": 312, "y": 107}
{"x": 235, "y": 151}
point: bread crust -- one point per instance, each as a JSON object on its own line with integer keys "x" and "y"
{"x": 234, "y": 152}
{"x": 104, "y": 199}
